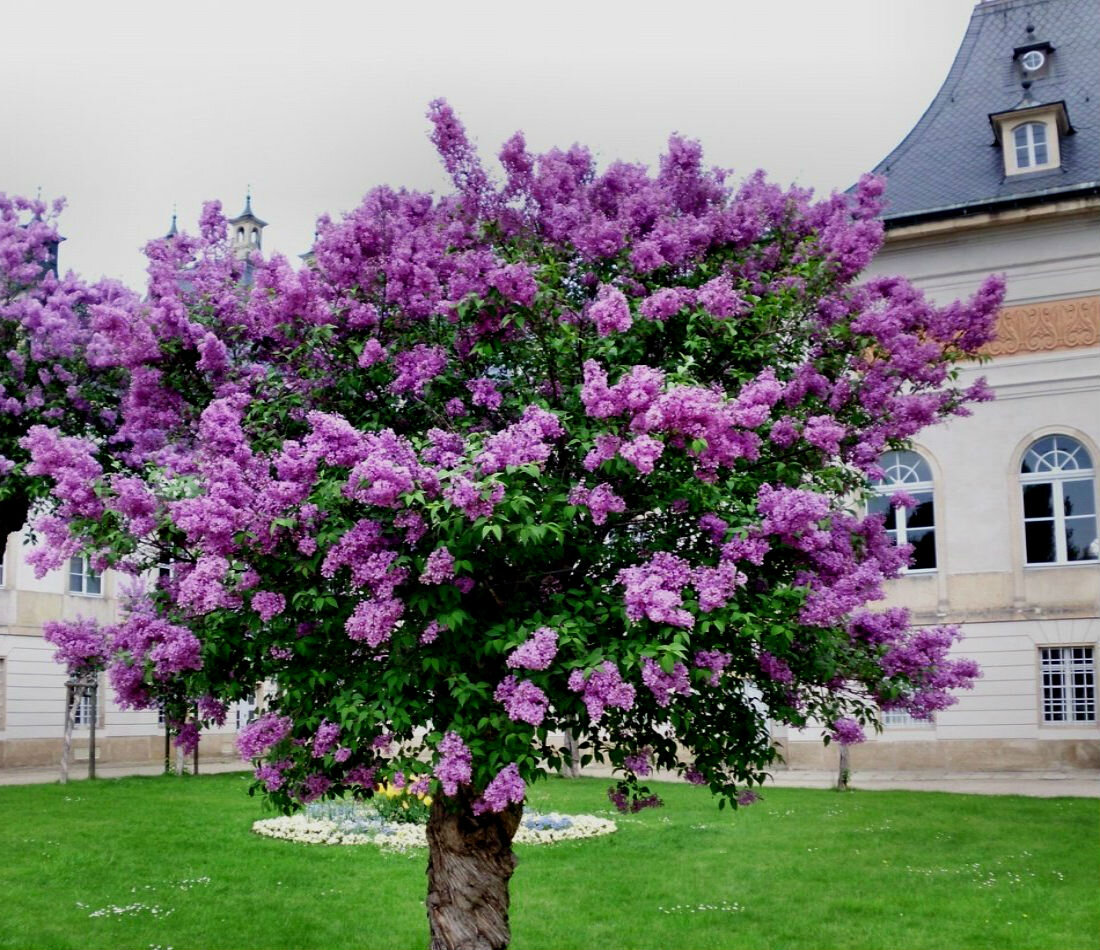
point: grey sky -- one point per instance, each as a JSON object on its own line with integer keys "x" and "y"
{"x": 130, "y": 107}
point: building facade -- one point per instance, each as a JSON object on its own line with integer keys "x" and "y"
{"x": 1002, "y": 175}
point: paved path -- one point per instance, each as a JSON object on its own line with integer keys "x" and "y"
{"x": 78, "y": 771}
{"x": 1074, "y": 782}
{"x": 1077, "y": 783}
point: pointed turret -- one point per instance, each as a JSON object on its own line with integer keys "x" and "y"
{"x": 247, "y": 229}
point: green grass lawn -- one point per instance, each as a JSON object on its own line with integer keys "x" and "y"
{"x": 802, "y": 868}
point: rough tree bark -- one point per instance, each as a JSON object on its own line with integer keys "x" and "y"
{"x": 844, "y": 771}
{"x": 71, "y": 699}
{"x": 470, "y": 862}
{"x": 573, "y": 769}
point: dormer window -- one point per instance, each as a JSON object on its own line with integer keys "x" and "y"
{"x": 1030, "y": 136}
{"x": 1031, "y": 145}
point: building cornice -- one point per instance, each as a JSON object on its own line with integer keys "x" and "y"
{"x": 963, "y": 220}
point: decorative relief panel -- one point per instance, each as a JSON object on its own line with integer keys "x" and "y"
{"x": 1042, "y": 327}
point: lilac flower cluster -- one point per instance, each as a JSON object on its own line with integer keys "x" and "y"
{"x": 714, "y": 660}
{"x": 265, "y": 731}
{"x": 664, "y": 685}
{"x": 600, "y": 501}
{"x": 326, "y": 738}
{"x": 268, "y": 604}
{"x": 601, "y": 689}
{"x": 455, "y": 763}
{"x": 775, "y": 668}
{"x": 522, "y": 699}
{"x": 526, "y": 441}
{"x": 374, "y": 621}
{"x": 535, "y": 653}
{"x": 506, "y": 788}
{"x": 610, "y": 312}
{"x": 654, "y": 590}
{"x": 628, "y": 803}
{"x": 81, "y": 644}
{"x": 847, "y": 731}
{"x": 439, "y": 567}
{"x": 639, "y": 762}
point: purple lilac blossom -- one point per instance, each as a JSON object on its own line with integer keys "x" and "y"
{"x": 522, "y": 700}
{"x": 439, "y": 567}
{"x": 535, "y": 653}
{"x": 847, "y": 731}
{"x": 326, "y": 738}
{"x": 262, "y": 733}
{"x": 601, "y": 689}
{"x": 506, "y": 788}
{"x": 455, "y": 763}
{"x": 664, "y": 685}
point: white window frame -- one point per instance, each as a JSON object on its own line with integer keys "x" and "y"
{"x": 1028, "y": 149}
{"x": 1067, "y": 685}
{"x": 83, "y": 710}
{"x": 903, "y": 719}
{"x": 245, "y": 711}
{"x": 908, "y": 478}
{"x": 81, "y": 577}
{"x": 1058, "y": 466}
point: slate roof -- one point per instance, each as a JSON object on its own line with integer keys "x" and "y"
{"x": 948, "y": 164}
{"x": 248, "y": 214}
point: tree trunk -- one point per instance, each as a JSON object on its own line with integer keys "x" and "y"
{"x": 71, "y": 699}
{"x": 844, "y": 771}
{"x": 573, "y": 769}
{"x": 470, "y": 862}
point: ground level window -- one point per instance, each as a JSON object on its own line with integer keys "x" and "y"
{"x": 246, "y": 711}
{"x": 1069, "y": 684}
{"x": 84, "y": 709}
{"x": 902, "y": 718}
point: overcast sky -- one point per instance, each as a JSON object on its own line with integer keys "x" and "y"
{"x": 131, "y": 108}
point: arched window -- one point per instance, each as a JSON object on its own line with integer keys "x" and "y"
{"x": 256, "y": 236}
{"x": 1030, "y": 140}
{"x": 240, "y": 236}
{"x": 1056, "y": 477}
{"x": 904, "y": 497}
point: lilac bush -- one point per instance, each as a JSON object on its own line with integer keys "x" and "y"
{"x": 576, "y": 449}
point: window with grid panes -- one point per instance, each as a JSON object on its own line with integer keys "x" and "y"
{"x": 902, "y": 718}
{"x": 1030, "y": 141}
{"x": 82, "y": 579}
{"x": 85, "y": 710}
{"x": 1069, "y": 684}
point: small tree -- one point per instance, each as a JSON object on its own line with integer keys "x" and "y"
{"x": 579, "y": 451}
{"x": 82, "y": 647}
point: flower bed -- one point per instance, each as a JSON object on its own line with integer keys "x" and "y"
{"x": 356, "y": 823}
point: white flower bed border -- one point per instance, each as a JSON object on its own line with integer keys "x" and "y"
{"x": 402, "y": 837}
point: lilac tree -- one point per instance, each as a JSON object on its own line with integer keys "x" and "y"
{"x": 572, "y": 450}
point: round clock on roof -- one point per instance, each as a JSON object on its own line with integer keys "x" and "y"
{"x": 1032, "y": 60}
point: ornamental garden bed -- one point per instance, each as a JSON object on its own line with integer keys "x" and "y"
{"x": 358, "y": 823}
